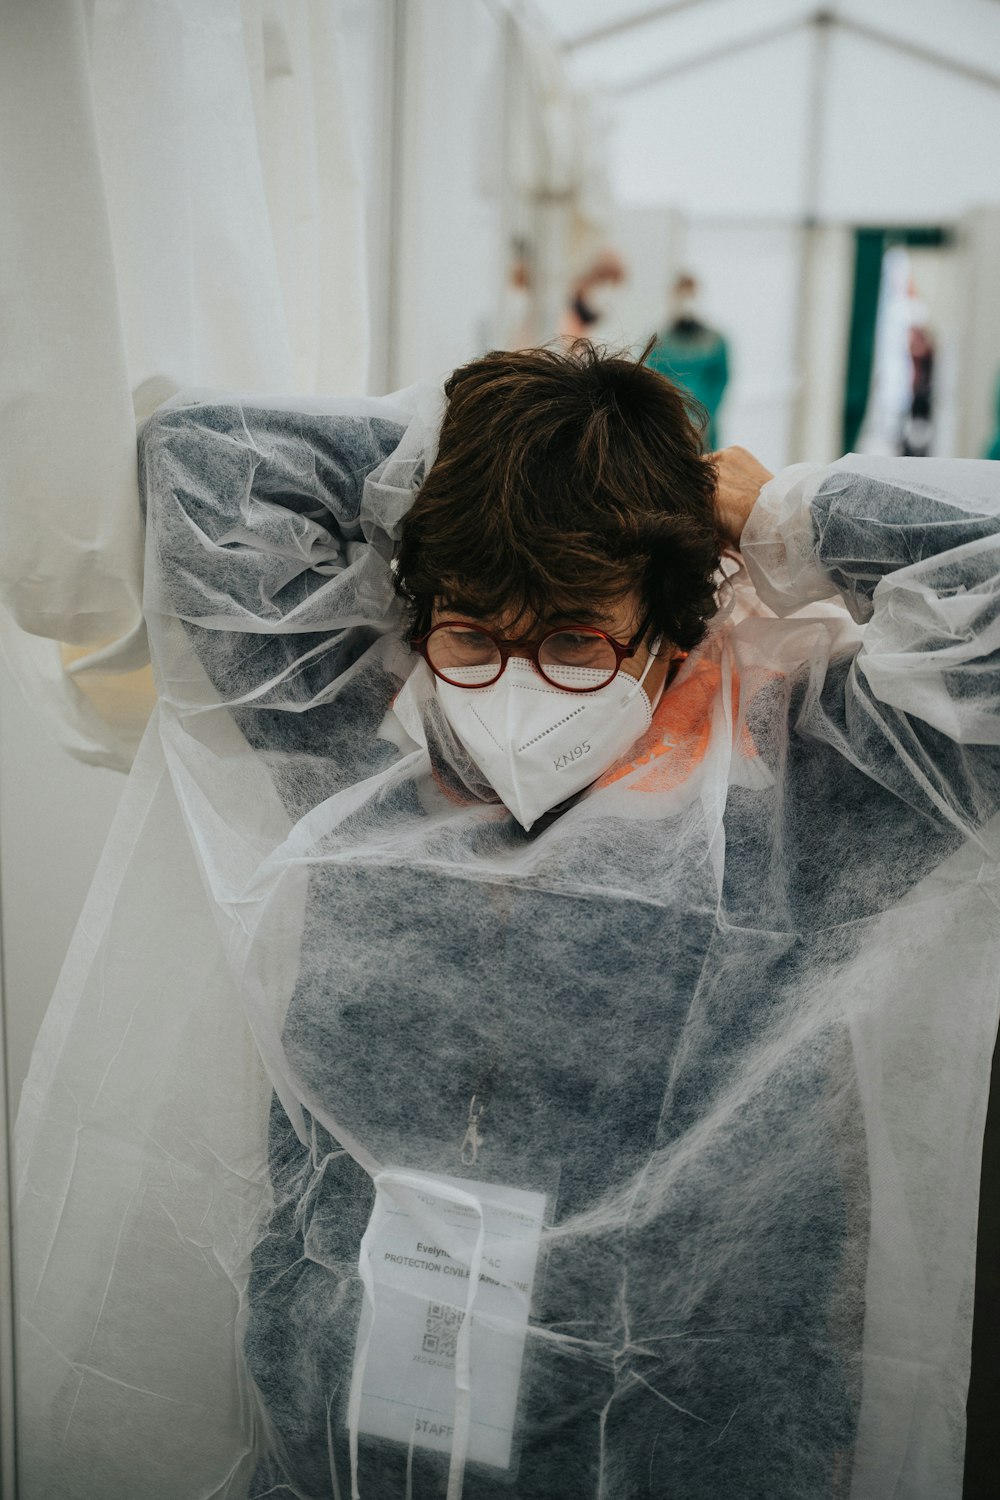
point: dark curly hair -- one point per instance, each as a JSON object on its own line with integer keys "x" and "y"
{"x": 564, "y": 480}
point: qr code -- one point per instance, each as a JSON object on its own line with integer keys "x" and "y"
{"x": 441, "y": 1330}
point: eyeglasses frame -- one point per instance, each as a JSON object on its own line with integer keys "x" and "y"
{"x": 507, "y": 648}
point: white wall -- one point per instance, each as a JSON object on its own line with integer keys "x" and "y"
{"x": 650, "y": 242}
{"x": 817, "y": 432}
{"x": 978, "y": 363}
{"x": 54, "y": 818}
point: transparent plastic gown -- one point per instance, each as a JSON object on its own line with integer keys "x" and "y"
{"x": 376, "y": 1147}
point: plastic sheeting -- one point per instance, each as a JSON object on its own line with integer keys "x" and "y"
{"x": 685, "y": 1087}
{"x": 152, "y": 238}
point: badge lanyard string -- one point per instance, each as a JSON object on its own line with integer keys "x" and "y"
{"x": 488, "y": 1073}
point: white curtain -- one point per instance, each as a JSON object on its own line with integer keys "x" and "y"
{"x": 181, "y": 206}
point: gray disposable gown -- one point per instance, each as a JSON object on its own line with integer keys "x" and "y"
{"x": 726, "y": 1021}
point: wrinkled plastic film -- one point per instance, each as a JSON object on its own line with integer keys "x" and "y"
{"x": 739, "y": 997}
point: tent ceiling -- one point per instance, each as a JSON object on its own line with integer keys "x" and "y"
{"x": 613, "y": 43}
{"x": 723, "y": 106}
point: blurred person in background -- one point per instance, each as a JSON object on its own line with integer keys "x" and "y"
{"x": 592, "y": 295}
{"x": 693, "y": 355}
{"x": 918, "y": 430}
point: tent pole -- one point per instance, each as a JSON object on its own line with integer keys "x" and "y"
{"x": 384, "y": 359}
{"x": 922, "y": 54}
{"x": 711, "y": 55}
{"x": 628, "y": 23}
{"x": 815, "y": 150}
{"x": 506, "y": 23}
{"x": 8, "y": 1250}
{"x": 824, "y": 20}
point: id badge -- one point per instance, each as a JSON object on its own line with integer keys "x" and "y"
{"x": 448, "y": 1267}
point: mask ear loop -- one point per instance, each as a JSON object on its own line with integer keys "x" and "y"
{"x": 726, "y": 588}
{"x": 654, "y": 646}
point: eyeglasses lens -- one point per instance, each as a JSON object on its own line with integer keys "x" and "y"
{"x": 572, "y": 659}
{"x": 467, "y": 657}
{"x": 577, "y": 659}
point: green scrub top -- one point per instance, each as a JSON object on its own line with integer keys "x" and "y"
{"x": 699, "y": 362}
{"x": 993, "y": 447}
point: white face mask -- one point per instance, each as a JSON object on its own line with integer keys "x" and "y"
{"x": 603, "y": 302}
{"x": 538, "y": 744}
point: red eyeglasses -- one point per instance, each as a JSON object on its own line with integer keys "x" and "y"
{"x": 575, "y": 658}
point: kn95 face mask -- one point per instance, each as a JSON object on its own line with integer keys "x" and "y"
{"x": 538, "y": 744}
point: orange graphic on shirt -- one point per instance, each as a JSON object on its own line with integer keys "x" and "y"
{"x": 677, "y": 740}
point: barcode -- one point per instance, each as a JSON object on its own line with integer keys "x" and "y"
{"x": 441, "y": 1330}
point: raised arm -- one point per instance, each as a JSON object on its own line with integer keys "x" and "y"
{"x": 255, "y": 544}
{"x": 912, "y": 547}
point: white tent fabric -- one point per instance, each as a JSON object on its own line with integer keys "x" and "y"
{"x": 181, "y": 206}
{"x": 720, "y": 106}
{"x": 795, "y": 121}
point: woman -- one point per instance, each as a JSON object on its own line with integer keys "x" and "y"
{"x": 596, "y": 942}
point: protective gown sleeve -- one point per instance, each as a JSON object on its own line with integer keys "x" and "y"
{"x": 912, "y": 547}
{"x": 258, "y": 545}
{"x": 268, "y": 560}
